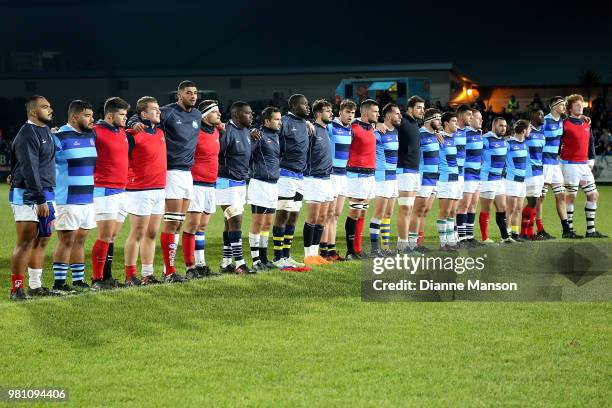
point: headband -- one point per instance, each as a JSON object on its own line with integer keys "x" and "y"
{"x": 434, "y": 117}
{"x": 210, "y": 108}
{"x": 557, "y": 102}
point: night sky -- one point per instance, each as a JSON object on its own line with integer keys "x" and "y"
{"x": 525, "y": 44}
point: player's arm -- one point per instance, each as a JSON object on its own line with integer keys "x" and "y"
{"x": 591, "y": 149}
{"x": 129, "y": 135}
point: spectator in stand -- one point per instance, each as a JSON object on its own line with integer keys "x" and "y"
{"x": 512, "y": 105}
{"x": 479, "y": 104}
{"x": 536, "y": 103}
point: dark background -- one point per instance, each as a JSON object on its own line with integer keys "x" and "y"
{"x": 496, "y": 42}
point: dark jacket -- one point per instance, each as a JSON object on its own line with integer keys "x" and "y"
{"x": 319, "y": 156}
{"x": 293, "y": 139}
{"x": 265, "y": 156}
{"x": 409, "y": 143}
{"x": 234, "y": 152}
{"x": 33, "y": 162}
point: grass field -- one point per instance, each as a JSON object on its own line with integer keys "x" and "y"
{"x": 302, "y": 339}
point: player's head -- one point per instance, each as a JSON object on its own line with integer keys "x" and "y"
{"x": 464, "y": 115}
{"x": 148, "y": 109}
{"x": 432, "y": 119}
{"x": 476, "y": 119}
{"x": 272, "y": 118}
{"x": 298, "y": 105}
{"x": 449, "y": 122}
{"x": 369, "y": 111}
{"x": 521, "y": 128}
{"x": 536, "y": 117}
{"x": 392, "y": 115}
{"x": 322, "y": 111}
{"x": 115, "y": 111}
{"x": 242, "y": 114}
{"x": 500, "y": 126}
{"x": 211, "y": 115}
{"x": 80, "y": 115}
{"x": 416, "y": 107}
{"x": 187, "y": 94}
{"x": 39, "y": 108}
{"x": 557, "y": 105}
{"x": 347, "y": 111}
{"x": 574, "y": 104}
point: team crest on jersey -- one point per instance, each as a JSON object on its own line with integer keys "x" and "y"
{"x": 76, "y": 143}
{"x": 179, "y": 122}
{"x": 194, "y": 124}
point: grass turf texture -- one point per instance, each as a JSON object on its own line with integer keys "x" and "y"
{"x": 302, "y": 339}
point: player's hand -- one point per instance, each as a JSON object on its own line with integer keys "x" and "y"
{"x": 9, "y": 180}
{"x": 255, "y": 134}
{"x": 138, "y": 126}
{"x": 586, "y": 119}
{"x": 310, "y": 127}
{"x": 381, "y": 128}
{"x": 42, "y": 210}
{"x": 591, "y": 164}
{"x": 54, "y": 129}
{"x": 221, "y": 127}
{"x": 440, "y": 137}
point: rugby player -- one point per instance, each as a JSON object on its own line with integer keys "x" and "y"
{"x": 534, "y": 179}
{"x": 340, "y": 136}
{"x": 386, "y": 180}
{"x": 360, "y": 170}
{"x": 262, "y": 193}
{"x": 318, "y": 192}
{"x": 75, "y": 159}
{"x": 516, "y": 169}
{"x": 464, "y": 119}
{"x": 31, "y": 194}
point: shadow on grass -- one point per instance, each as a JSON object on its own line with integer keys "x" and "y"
{"x": 189, "y": 307}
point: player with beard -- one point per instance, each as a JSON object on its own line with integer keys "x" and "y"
{"x": 492, "y": 184}
{"x": 534, "y": 180}
{"x": 471, "y": 174}
{"x": 75, "y": 159}
{"x": 360, "y": 170}
{"x": 180, "y": 122}
{"x": 464, "y": 119}
{"x": 429, "y": 174}
{"x": 386, "y": 180}
{"x": 317, "y": 183}
{"x": 31, "y": 194}
{"x": 293, "y": 139}
{"x": 263, "y": 191}
{"x": 110, "y": 180}
{"x": 340, "y": 135}
{"x": 408, "y": 181}
{"x": 204, "y": 172}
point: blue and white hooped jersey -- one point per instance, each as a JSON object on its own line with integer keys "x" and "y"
{"x": 460, "y": 141}
{"x": 516, "y": 160}
{"x": 430, "y": 158}
{"x": 553, "y": 129}
{"x": 386, "y": 155}
{"x": 473, "y": 154}
{"x": 535, "y": 141}
{"x": 449, "y": 170}
{"x": 340, "y": 137}
{"x": 494, "y": 150}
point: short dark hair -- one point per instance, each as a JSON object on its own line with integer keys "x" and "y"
{"x": 143, "y": 103}
{"x": 77, "y": 106}
{"x": 521, "y": 125}
{"x": 293, "y": 100}
{"x": 30, "y": 102}
{"x": 238, "y": 105}
{"x": 461, "y": 109}
{"x": 368, "y": 103}
{"x": 555, "y": 99}
{"x": 206, "y": 103}
{"x": 186, "y": 84}
{"x": 534, "y": 112}
{"x": 413, "y": 100}
{"x": 497, "y": 119}
{"x": 114, "y": 104}
{"x": 348, "y": 105}
{"x": 474, "y": 110}
{"x": 430, "y": 113}
{"x": 388, "y": 108}
{"x": 267, "y": 113}
{"x": 447, "y": 116}
{"x": 319, "y": 105}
